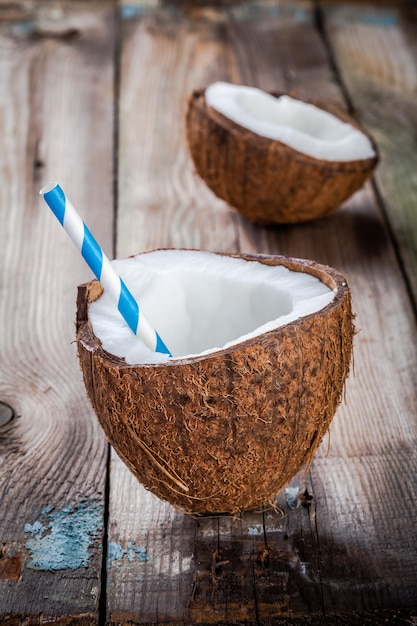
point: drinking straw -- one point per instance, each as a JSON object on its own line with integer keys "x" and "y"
{"x": 101, "y": 266}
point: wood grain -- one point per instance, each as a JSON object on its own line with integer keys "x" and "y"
{"x": 376, "y": 51}
{"x": 346, "y": 556}
{"x": 56, "y": 73}
{"x": 350, "y": 552}
{"x": 151, "y": 548}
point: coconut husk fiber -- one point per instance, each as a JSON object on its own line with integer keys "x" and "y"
{"x": 266, "y": 180}
{"x": 226, "y": 431}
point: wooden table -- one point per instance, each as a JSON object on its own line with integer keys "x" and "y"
{"x": 93, "y": 95}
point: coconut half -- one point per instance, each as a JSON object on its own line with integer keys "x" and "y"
{"x": 276, "y": 159}
{"x": 261, "y": 349}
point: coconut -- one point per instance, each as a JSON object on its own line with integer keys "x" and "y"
{"x": 225, "y": 428}
{"x": 276, "y": 159}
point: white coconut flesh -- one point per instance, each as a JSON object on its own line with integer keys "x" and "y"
{"x": 300, "y": 125}
{"x": 200, "y": 302}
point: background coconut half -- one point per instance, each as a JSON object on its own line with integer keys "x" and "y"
{"x": 224, "y": 431}
{"x": 265, "y": 179}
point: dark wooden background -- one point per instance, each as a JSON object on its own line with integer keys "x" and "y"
{"x": 93, "y": 94}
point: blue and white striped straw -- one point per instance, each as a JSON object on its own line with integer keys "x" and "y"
{"x": 101, "y": 266}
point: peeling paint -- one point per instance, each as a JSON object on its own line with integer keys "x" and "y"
{"x": 132, "y": 552}
{"x": 376, "y": 19}
{"x": 35, "y": 528}
{"x": 255, "y": 531}
{"x": 63, "y": 539}
{"x": 129, "y": 12}
{"x": 302, "y": 16}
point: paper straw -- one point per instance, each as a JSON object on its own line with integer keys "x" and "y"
{"x": 101, "y": 266}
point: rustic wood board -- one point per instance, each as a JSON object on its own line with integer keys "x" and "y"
{"x": 56, "y": 103}
{"x": 350, "y": 552}
{"x": 353, "y": 549}
{"x": 376, "y": 51}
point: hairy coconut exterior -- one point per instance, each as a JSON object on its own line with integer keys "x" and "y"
{"x": 226, "y": 431}
{"x": 266, "y": 180}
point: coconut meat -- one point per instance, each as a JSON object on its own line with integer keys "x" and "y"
{"x": 300, "y": 125}
{"x": 200, "y": 302}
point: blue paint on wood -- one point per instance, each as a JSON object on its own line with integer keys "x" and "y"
{"x": 379, "y": 19}
{"x": 384, "y": 18}
{"x": 129, "y": 12}
{"x": 63, "y": 539}
{"x": 132, "y": 553}
{"x": 34, "y": 529}
{"x": 302, "y": 16}
{"x": 24, "y": 27}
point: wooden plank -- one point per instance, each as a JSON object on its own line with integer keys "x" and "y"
{"x": 370, "y": 264}
{"x": 324, "y": 558}
{"x": 56, "y": 72}
{"x": 159, "y": 202}
{"x": 158, "y": 206}
{"x": 224, "y": 577}
{"x": 150, "y": 551}
{"x": 376, "y": 50}
{"x": 162, "y": 204}
{"x": 255, "y": 566}
{"x": 365, "y": 257}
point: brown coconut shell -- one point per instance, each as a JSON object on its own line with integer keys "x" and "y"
{"x": 266, "y": 180}
{"x": 226, "y": 431}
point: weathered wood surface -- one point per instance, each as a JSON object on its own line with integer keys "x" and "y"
{"x": 56, "y": 116}
{"x": 71, "y": 74}
{"x": 375, "y": 49}
{"x": 353, "y": 549}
